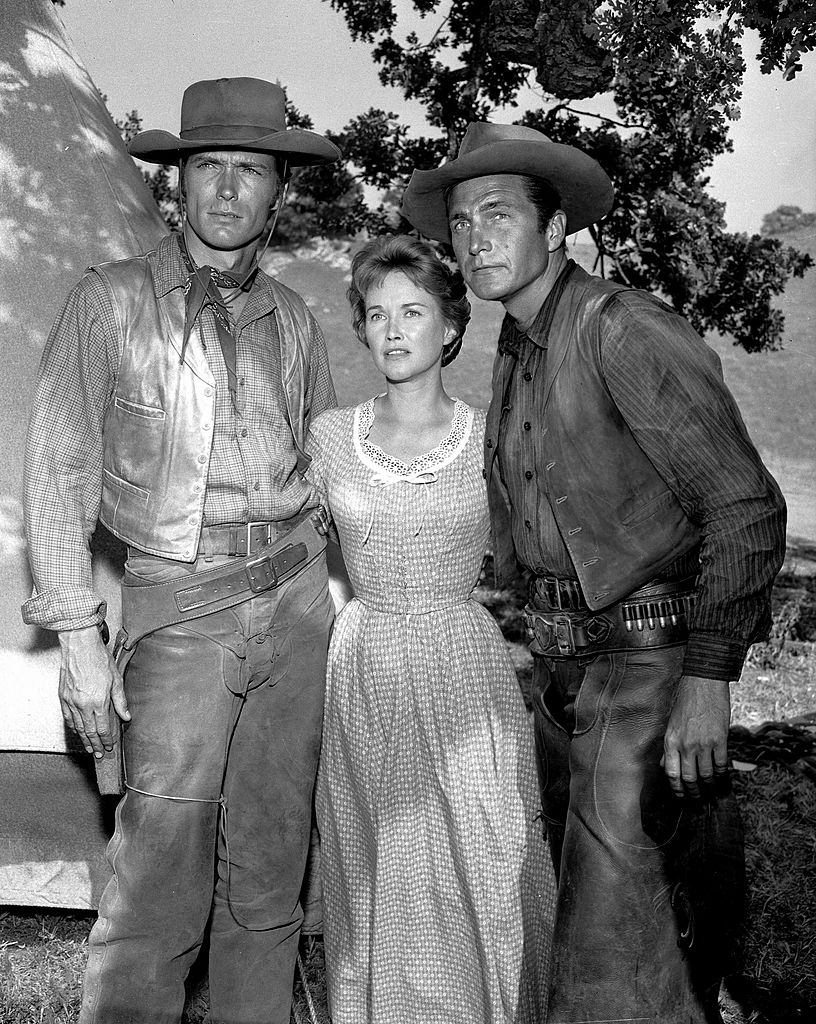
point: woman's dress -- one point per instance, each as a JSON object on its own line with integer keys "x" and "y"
{"x": 438, "y": 889}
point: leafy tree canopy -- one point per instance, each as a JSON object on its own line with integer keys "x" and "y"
{"x": 674, "y": 70}
{"x": 785, "y": 219}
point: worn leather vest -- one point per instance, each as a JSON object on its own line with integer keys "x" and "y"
{"x": 619, "y": 520}
{"x": 158, "y": 428}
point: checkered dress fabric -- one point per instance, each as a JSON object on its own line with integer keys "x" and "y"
{"x": 439, "y": 894}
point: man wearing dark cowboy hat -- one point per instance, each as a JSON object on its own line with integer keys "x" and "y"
{"x": 623, "y": 483}
{"x": 171, "y": 404}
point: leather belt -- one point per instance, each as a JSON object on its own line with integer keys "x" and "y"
{"x": 560, "y": 625}
{"x": 151, "y": 606}
{"x": 240, "y": 538}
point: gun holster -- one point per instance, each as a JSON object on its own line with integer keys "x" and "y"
{"x": 110, "y": 768}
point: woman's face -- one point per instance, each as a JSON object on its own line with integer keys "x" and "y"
{"x": 405, "y": 329}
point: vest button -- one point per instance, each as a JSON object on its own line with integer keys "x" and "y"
{"x": 528, "y": 376}
{"x": 528, "y": 475}
{"x": 208, "y": 392}
{"x": 489, "y": 442}
{"x": 527, "y": 425}
{"x": 484, "y": 473}
{"x": 202, "y": 459}
{"x": 528, "y": 524}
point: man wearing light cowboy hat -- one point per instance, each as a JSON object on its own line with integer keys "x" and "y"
{"x": 172, "y": 401}
{"x": 623, "y": 484}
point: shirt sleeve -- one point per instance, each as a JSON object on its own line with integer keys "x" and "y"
{"x": 317, "y": 473}
{"x": 320, "y": 387}
{"x": 63, "y": 469}
{"x": 668, "y": 386}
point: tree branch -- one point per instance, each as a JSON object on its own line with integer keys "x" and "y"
{"x": 603, "y": 117}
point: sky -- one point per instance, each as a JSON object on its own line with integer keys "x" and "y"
{"x": 143, "y": 53}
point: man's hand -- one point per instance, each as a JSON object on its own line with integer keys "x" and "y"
{"x": 695, "y": 747}
{"x": 90, "y": 689}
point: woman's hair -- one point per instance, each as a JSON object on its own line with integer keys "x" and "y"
{"x": 420, "y": 264}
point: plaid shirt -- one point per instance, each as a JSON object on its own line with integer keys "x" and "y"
{"x": 253, "y": 463}
{"x": 689, "y": 426}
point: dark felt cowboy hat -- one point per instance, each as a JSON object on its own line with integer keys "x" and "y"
{"x": 584, "y": 187}
{"x": 239, "y": 113}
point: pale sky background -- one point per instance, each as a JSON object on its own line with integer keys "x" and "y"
{"x": 143, "y": 53}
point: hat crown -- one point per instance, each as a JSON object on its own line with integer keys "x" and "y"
{"x": 482, "y": 133}
{"x": 248, "y": 106}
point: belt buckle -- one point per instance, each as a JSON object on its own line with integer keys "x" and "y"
{"x": 549, "y": 630}
{"x": 564, "y": 637}
{"x": 261, "y": 574}
{"x": 250, "y": 527}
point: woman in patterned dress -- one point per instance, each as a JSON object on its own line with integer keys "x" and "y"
{"x": 438, "y": 893}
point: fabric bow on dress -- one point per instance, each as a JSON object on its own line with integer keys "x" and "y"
{"x": 385, "y": 479}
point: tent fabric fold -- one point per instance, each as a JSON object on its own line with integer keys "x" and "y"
{"x": 70, "y": 196}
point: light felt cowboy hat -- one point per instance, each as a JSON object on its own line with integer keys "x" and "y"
{"x": 584, "y": 187}
{"x": 239, "y": 113}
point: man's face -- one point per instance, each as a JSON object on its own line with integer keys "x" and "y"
{"x": 228, "y": 196}
{"x": 496, "y": 237}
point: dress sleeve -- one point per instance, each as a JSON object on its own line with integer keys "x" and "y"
{"x": 669, "y": 388}
{"x": 63, "y": 467}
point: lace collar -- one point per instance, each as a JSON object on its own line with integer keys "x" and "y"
{"x": 444, "y": 453}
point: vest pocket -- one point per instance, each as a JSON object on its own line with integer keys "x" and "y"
{"x": 112, "y": 482}
{"x": 148, "y": 412}
{"x": 661, "y": 503}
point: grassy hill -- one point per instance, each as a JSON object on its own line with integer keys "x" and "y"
{"x": 775, "y": 390}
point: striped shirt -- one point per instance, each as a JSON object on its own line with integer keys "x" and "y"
{"x": 253, "y": 463}
{"x": 688, "y": 425}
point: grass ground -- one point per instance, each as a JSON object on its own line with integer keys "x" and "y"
{"x": 42, "y": 955}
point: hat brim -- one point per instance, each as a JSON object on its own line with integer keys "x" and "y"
{"x": 300, "y": 147}
{"x": 584, "y": 187}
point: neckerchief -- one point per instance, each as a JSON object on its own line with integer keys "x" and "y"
{"x": 200, "y": 290}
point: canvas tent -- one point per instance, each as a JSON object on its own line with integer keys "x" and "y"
{"x": 70, "y": 196}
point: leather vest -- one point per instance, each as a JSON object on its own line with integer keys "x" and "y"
{"x": 618, "y": 518}
{"x": 158, "y": 428}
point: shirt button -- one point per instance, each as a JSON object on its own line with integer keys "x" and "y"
{"x": 528, "y": 376}
{"x": 244, "y": 432}
{"x": 527, "y": 426}
{"x": 256, "y": 486}
{"x": 528, "y": 475}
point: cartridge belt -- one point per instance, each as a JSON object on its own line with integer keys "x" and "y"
{"x": 560, "y": 625}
